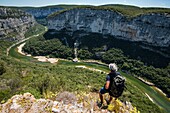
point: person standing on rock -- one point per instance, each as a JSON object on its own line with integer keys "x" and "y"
{"x": 107, "y": 88}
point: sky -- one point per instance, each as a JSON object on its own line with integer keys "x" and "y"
{"x": 37, "y": 3}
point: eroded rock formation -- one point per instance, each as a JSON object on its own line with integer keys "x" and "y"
{"x": 153, "y": 28}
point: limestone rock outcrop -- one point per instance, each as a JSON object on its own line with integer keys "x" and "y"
{"x": 14, "y": 23}
{"x": 64, "y": 103}
{"x": 42, "y": 12}
{"x": 151, "y": 28}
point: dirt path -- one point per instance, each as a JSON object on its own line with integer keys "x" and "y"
{"x": 92, "y": 69}
{"x": 20, "y": 49}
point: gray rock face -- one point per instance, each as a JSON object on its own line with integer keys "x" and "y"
{"x": 14, "y": 23}
{"x": 42, "y": 12}
{"x": 151, "y": 28}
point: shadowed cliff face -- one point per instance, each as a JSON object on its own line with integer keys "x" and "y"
{"x": 151, "y": 28}
{"x": 14, "y": 23}
{"x": 42, "y": 12}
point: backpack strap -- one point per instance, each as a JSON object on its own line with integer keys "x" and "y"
{"x": 117, "y": 73}
{"x": 112, "y": 76}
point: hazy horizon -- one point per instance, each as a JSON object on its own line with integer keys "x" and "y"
{"x": 40, "y": 3}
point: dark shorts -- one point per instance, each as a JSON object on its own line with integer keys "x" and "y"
{"x": 103, "y": 91}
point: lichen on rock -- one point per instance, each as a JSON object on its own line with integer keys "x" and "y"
{"x": 27, "y": 103}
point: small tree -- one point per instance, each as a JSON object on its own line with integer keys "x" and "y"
{"x": 84, "y": 54}
{"x": 113, "y": 55}
{"x": 125, "y": 66}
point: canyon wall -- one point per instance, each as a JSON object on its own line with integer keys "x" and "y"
{"x": 153, "y": 28}
{"x": 14, "y": 23}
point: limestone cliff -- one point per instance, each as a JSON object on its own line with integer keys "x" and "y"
{"x": 42, "y": 12}
{"x": 152, "y": 28}
{"x": 14, "y": 23}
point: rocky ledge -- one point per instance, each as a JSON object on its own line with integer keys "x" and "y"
{"x": 63, "y": 103}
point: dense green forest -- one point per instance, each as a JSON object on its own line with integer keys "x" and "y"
{"x": 53, "y": 48}
{"x": 19, "y": 76}
{"x": 88, "y": 49}
{"x": 133, "y": 50}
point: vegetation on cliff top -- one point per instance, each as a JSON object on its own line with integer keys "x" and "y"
{"x": 126, "y": 10}
{"x": 37, "y": 28}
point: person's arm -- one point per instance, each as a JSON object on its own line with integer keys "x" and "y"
{"x": 107, "y": 84}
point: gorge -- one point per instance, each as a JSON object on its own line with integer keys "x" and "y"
{"x": 108, "y": 33}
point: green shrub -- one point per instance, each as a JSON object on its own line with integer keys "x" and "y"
{"x": 2, "y": 68}
{"x": 84, "y": 54}
{"x": 52, "y": 47}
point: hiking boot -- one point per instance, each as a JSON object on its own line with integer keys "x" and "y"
{"x": 99, "y": 104}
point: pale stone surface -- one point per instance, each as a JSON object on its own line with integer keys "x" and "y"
{"x": 26, "y": 103}
{"x": 149, "y": 97}
{"x": 52, "y": 60}
{"x": 13, "y": 26}
{"x": 20, "y": 49}
{"x": 152, "y": 28}
{"x": 41, "y": 58}
{"x": 45, "y": 59}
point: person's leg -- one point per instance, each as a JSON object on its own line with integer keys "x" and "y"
{"x": 101, "y": 97}
{"x": 110, "y": 99}
{"x": 101, "y": 92}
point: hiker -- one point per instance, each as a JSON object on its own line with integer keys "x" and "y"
{"x": 109, "y": 81}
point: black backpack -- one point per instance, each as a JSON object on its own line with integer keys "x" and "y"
{"x": 118, "y": 85}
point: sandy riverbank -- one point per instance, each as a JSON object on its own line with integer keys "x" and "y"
{"x": 39, "y": 58}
